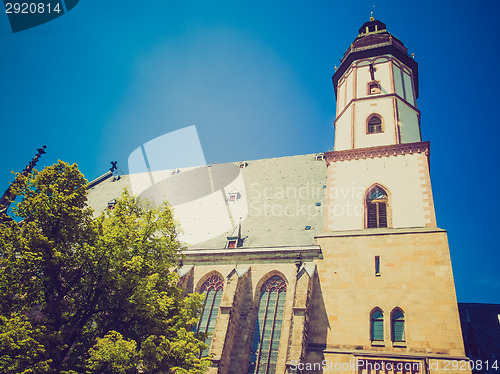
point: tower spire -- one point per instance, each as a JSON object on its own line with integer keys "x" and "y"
{"x": 9, "y": 195}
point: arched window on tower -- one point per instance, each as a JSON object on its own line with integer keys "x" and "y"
{"x": 377, "y": 325}
{"x": 376, "y": 208}
{"x": 398, "y": 325}
{"x": 267, "y": 332}
{"x": 212, "y": 289}
{"x": 374, "y": 124}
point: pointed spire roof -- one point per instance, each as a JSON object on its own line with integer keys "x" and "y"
{"x": 9, "y": 196}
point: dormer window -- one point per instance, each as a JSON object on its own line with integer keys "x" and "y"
{"x": 374, "y": 88}
{"x": 233, "y": 195}
{"x": 111, "y": 204}
{"x": 375, "y": 124}
{"x": 234, "y": 242}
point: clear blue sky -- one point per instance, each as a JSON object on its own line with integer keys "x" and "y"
{"x": 255, "y": 78}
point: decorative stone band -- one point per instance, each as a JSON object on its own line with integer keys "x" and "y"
{"x": 252, "y": 255}
{"x": 331, "y": 348}
{"x": 373, "y": 152}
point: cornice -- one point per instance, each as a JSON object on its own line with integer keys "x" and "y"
{"x": 381, "y": 231}
{"x": 329, "y": 348}
{"x": 378, "y": 152}
{"x": 251, "y": 254}
{"x": 372, "y": 97}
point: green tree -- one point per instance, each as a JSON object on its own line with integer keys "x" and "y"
{"x": 92, "y": 295}
{"x": 20, "y": 350}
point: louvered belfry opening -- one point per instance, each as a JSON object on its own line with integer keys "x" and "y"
{"x": 376, "y": 206}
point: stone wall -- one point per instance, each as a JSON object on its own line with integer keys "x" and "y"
{"x": 415, "y": 276}
{"x": 233, "y": 334}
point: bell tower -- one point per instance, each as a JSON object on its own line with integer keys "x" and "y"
{"x": 376, "y": 87}
{"x": 387, "y": 301}
{"x": 379, "y": 169}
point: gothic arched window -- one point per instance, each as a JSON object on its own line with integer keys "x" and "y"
{"x": 212, "y": 289}
{"x": 374, "y": 124}
{"x": 376, "y": 208}
{"x": 398, "y": 325}
{"x": 376, "y": 325}
{"x": 267, "y": 332}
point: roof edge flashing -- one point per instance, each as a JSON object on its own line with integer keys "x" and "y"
{"x": 99, "y": 180}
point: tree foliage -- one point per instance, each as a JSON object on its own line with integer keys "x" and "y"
{"x": 92, "y": 295}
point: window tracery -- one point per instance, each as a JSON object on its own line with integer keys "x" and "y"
{"x": 267, "y": 332}
{"x": 212, "y": 288}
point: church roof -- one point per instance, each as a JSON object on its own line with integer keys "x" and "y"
{"x": 480, "y": 329}
{"x": 279, "y": 201}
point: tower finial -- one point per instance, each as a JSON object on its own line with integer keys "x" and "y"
{"x": 371, "y": 14}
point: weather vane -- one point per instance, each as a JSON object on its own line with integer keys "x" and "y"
{"x": 371, "y": 14}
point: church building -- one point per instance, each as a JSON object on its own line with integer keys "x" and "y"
{"x": 329, "y": 262}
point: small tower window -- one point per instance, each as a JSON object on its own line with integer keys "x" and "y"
{"x": 376, "y": 208}
{"x": 377, "y": 266}
{"x": 374, "y": 124}
{"x": 374, "y": 88}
